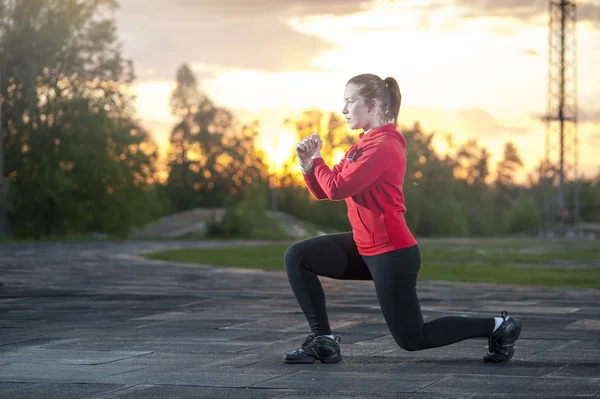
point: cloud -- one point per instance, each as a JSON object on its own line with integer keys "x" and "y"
{"x": 586, "y": 116}
{"x": 527, "y": 11}
{"x": 159, "y": 36}
{"x": 226, "y": 8}
{"x": 519, "y": 9}
{"x": 465, "y": 122}
{"x": 589, "y": 12}
{"x": 530, "y": 51}
{"x": 483, "y": 124}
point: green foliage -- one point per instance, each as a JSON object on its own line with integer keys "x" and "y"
{"x": 76, "y": 157}
{"x": 249, "y": 219}
{"x": 589, "y": 197}
{"x": 252, "y": 212}
{"x": 296, "y": 200}
{"x": 228, "y": 227}
{"x": 522, "y": 217}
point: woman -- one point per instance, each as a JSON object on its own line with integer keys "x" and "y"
{"x": 380, "y": 246}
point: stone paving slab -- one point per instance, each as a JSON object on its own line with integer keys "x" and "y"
{"x": 96, "y": 320}
{"x": 53, "y": 390}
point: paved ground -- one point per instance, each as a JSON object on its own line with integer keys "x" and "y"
{"x": 94, "y": 320}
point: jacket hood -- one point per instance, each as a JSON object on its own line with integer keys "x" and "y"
{"x": 383, "y": 130}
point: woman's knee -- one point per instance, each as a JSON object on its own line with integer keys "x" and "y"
{"x": 407, "y": 339}
{"x": 409, "y": 342}
{"x": 412, "y": 345}
{"x": 293, "y": 256}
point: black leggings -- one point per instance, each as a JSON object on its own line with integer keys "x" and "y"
{"x": 394, "y": 275}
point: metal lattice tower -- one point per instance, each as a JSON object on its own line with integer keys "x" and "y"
{"x": 561, "y": 111}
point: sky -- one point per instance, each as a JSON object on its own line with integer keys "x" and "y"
{"x": 471, "y": 68}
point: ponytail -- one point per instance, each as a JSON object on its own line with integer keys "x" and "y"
{"x": 395, "y": 99}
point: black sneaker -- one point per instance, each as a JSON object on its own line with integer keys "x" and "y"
{"x": 501, "y": 343}
{"x": 315, "y": 348}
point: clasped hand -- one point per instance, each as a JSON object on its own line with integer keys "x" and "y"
{"x": 308, "y": 149}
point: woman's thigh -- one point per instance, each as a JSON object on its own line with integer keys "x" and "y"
{"x": 331, "y": 255}
{"x": 395, "y": 279}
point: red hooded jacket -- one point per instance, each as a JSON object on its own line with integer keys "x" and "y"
{"x": 369, "y": 179}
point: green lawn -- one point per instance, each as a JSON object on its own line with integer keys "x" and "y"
{"x": 480, "y": 262}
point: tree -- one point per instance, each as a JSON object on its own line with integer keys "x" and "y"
{"x": 507, "y": 168}
{"x": 523, "y": 217}
{"x": 185, "y": 98}
{"x": 541, "y": 182}
{"x": 212, "y": 159}
{"x": 78, "y": 158}
{"x": 431, "y": 202}
{"x": 184, "y": 102}
{"x": 472, "y": 163}
{"x": 471, "y": 167}
{"x": 506, "y": 191}
{"x": 589, "y": 199}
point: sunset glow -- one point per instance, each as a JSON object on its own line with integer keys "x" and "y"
{"x": 474, "y": 77}
{"x": 278, "y": 149}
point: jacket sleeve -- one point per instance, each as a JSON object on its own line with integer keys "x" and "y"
{"x": 356, "y": 177}
{"x": 313, "y": 184}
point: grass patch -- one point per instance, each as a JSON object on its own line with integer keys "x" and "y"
{"x": 495, "y": 264}
{"x": 496, "y": 256}
{"x": 572, "y": 278}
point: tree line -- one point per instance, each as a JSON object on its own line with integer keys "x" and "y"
{"x": 77, "y": 160}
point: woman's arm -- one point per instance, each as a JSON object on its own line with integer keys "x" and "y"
{"x": 356, "y": 177}
{"x": 313, "y": 184}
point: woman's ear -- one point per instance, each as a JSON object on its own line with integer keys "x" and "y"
{"x": 372, "y": 105}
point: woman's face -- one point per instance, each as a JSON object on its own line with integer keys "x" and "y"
{"x": 356, "y": 112}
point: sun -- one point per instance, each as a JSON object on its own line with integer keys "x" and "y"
{"x": 279, "y": 149}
